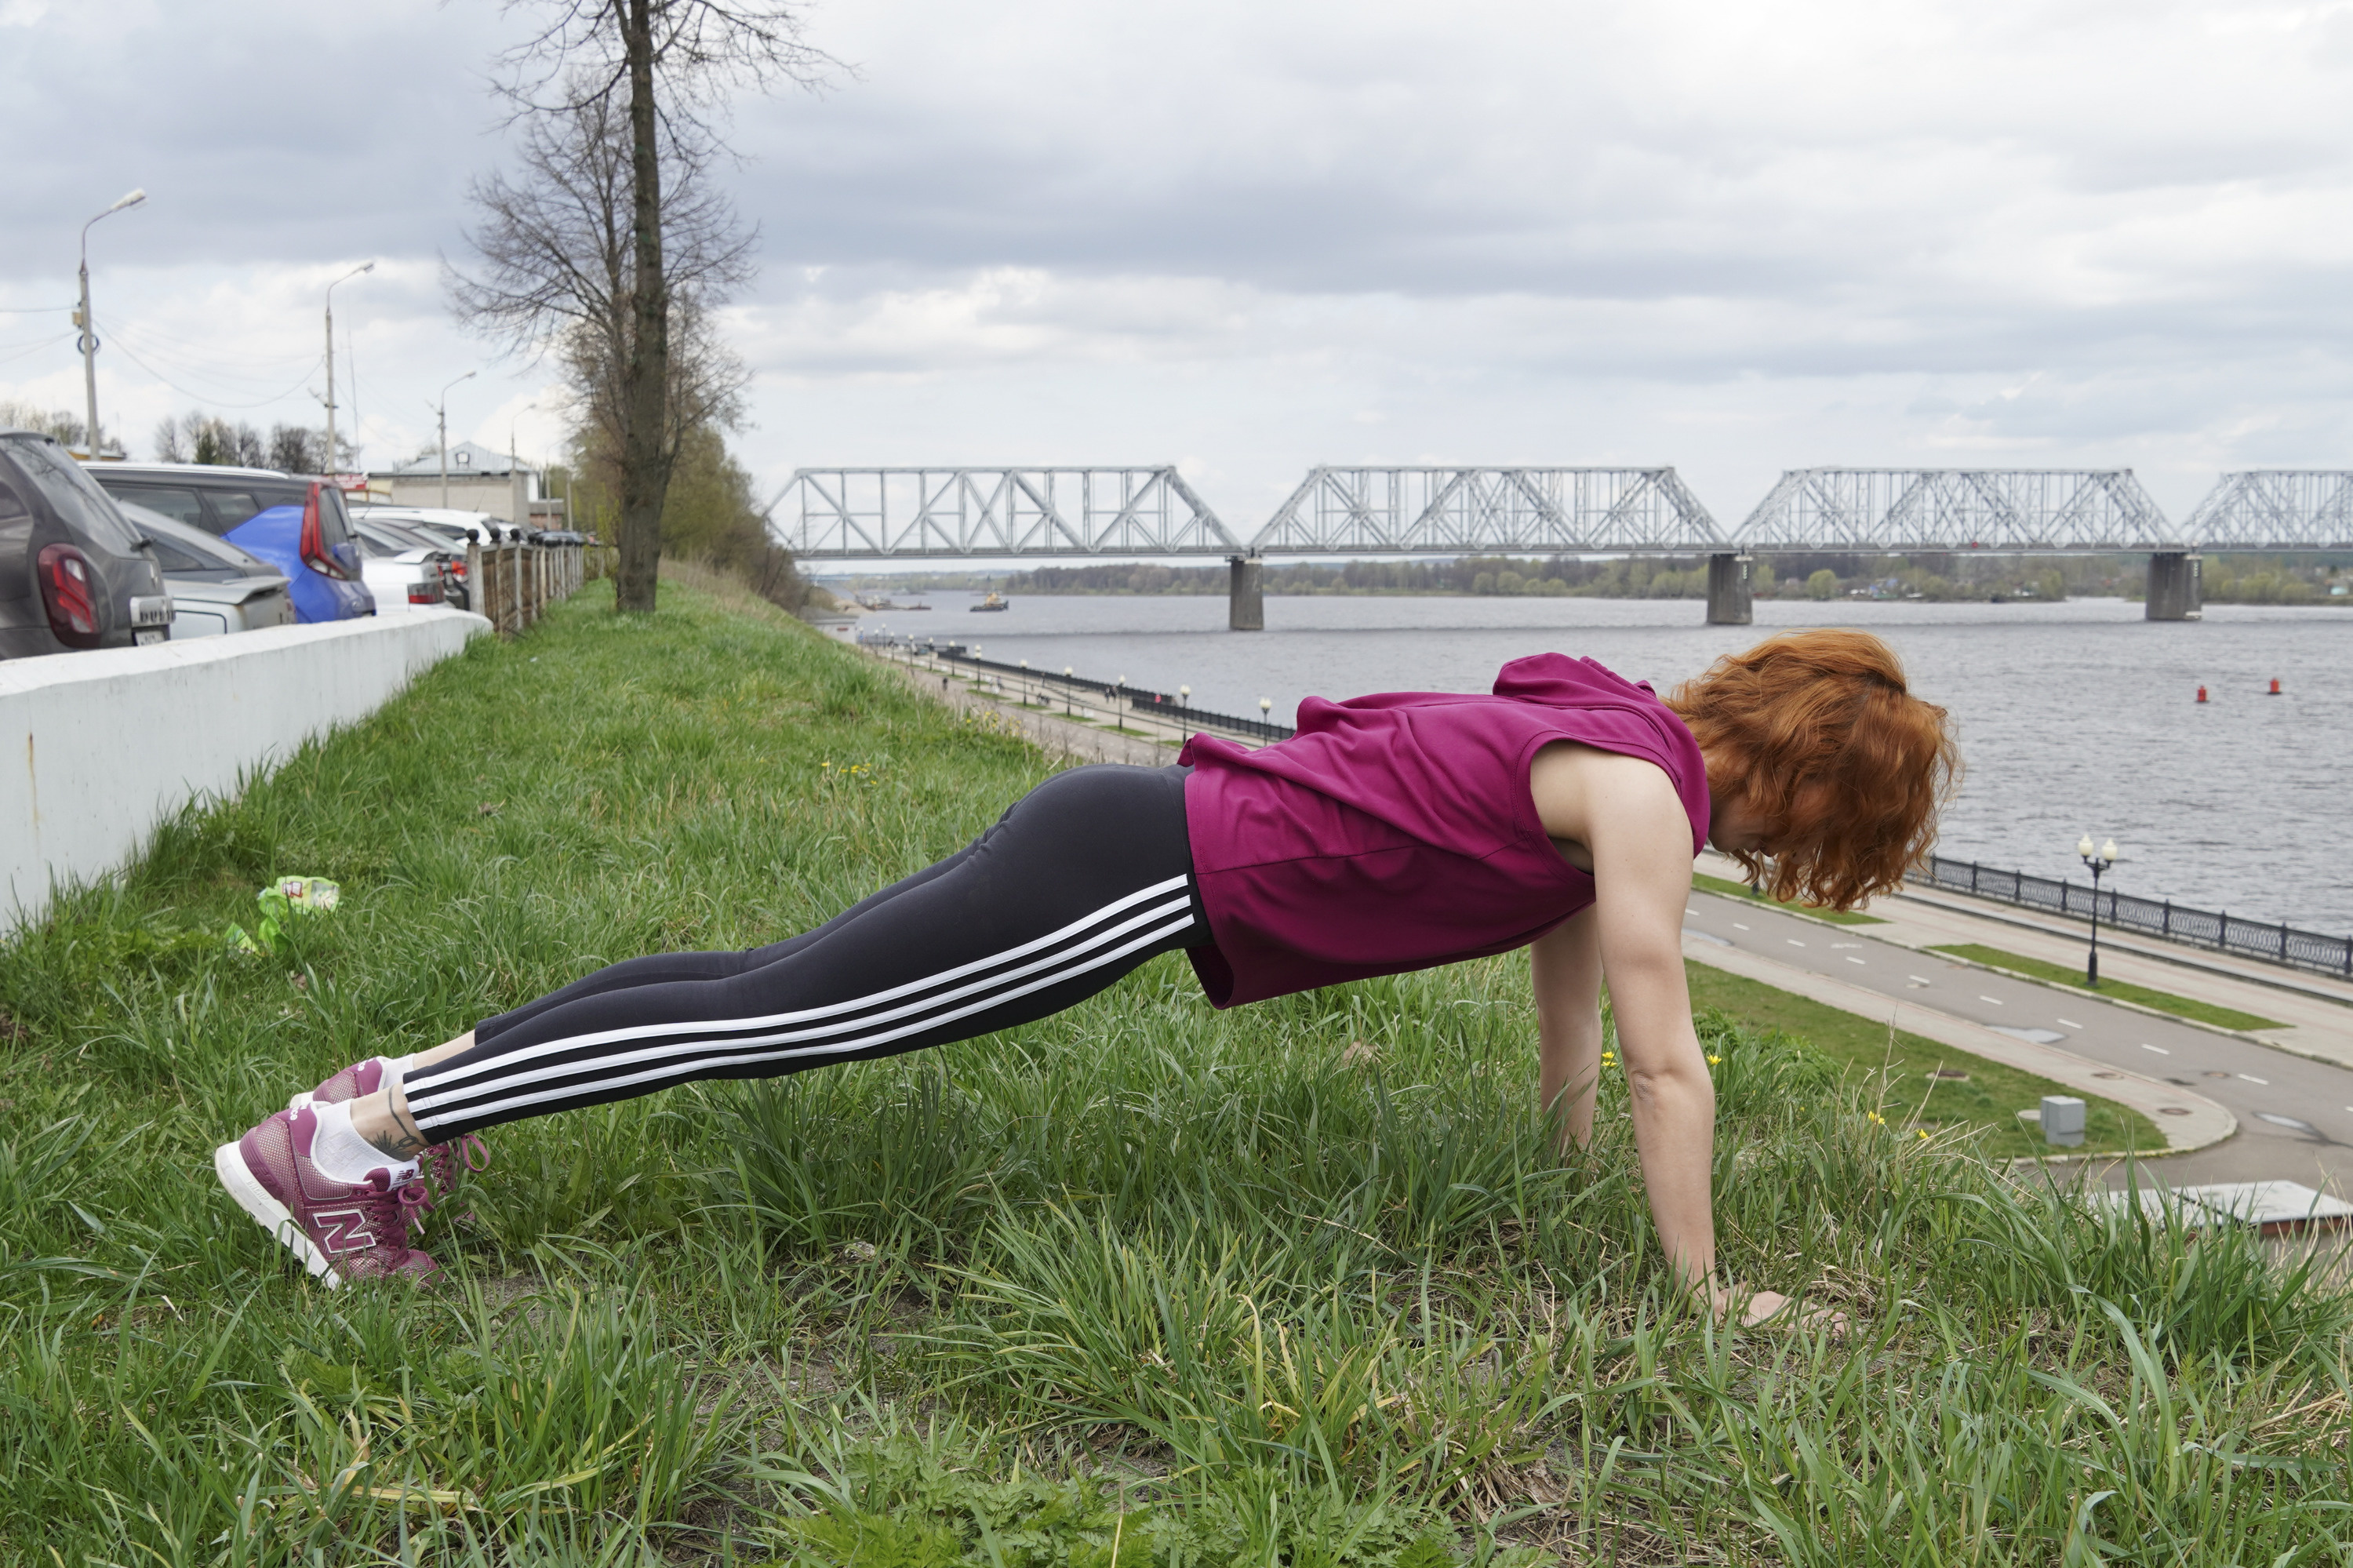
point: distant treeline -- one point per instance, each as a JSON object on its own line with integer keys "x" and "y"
{"x": 1936, "y": 578}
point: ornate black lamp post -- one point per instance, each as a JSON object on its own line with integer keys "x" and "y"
{"x": 2098, "y": 861}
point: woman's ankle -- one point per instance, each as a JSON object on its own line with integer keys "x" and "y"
{"x": 382, "y": 1120}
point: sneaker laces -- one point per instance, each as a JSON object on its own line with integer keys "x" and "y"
{"x": 443, "y": 1163}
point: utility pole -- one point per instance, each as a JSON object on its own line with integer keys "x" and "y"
{"x": 82, "y": 320}
{"x": 331, "y": 457}
{"x": 442, "y": 418}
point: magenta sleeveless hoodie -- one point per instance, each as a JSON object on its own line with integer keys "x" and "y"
{"x": 1396, "y": 831}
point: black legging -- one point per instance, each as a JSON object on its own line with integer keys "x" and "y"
{"x": 1084, "y": 878}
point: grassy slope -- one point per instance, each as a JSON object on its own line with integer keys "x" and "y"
{"x": 1146, "y": 1284}
{"x": 2124, "y": 990}
{"x": 1896, "y": 1069}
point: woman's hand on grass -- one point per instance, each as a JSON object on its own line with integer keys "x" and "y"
{"x": 1758, "y": 1308}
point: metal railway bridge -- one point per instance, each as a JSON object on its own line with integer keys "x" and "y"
{"x": 893, "y": 513}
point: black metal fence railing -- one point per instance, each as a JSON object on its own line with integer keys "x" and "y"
{"x": 1159, "y": 705}
{"x": 2280, "y": 943}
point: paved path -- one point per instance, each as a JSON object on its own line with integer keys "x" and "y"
{"x": 2295, "y": 1113}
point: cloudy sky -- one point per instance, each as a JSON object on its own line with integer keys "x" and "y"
{"x": 1249, "y": 237}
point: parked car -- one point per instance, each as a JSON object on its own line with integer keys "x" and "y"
{"x": 460, "y": 527}
{"x": 296, "y": 522}
{"x": 402, "y": 568}
{"x": 73, "y": 573}
{"x": 217, "y": 587}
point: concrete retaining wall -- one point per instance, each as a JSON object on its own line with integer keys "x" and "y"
{"x": 97, "y": 748}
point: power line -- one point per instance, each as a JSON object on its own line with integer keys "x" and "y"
{"x": 208, "y": 398}
{"x": 241, "y": 383}
{"x": 36, "y": 347}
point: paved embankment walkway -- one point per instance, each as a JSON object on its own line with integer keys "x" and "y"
{"x": 2287, "y": 1091}
{"x": 1055, "y": 735}
{"x": 2315, "y": 1011}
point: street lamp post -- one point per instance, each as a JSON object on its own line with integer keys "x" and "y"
{"x": 441, "y": 423}
{"x": 331, "y": 458}
{"x": 89, "y": 333}
{"x": 2098, "y": 861}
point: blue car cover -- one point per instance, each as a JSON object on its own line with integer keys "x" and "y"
{"x": 275, "y": 534}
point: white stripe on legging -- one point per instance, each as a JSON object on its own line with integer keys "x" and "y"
{"x": 440, "y": 1079}
{"x": 684, "y": 1072}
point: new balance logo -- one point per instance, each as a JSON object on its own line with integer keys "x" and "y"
{"x": 343, "y": 1230}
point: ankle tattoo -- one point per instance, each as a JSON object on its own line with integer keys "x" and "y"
{"x": 407, "y": 1140}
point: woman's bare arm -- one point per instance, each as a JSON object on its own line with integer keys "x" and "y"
{"x": 1564, "y": 964}
{"x": 1624, "y": 814}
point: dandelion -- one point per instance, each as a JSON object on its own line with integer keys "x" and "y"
{"x": 1712, "y": 1061}
{"x": 1921, "y": 1131}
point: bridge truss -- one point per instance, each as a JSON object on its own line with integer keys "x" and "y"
{"x": 871, "y": 513}
{"x": 1887, "y": 510}
{"x": 1488, "y": 511}
{"x": 2277, "y": 509}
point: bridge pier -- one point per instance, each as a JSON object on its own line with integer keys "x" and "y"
{"x": 2177, "y": 587}
{"x": 1729, "y": 602}
{"x": 1246, "y": 594}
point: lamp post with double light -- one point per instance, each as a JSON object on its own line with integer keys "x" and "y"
{"x": 89, "y": 331}
{"x": 2097, "y": 862}
{"x": 333, "y": 457}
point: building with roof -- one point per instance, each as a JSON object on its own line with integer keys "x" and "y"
{"x": 479, "y": 479}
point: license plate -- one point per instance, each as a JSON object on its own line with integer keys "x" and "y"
{"x": 147, "y": 634}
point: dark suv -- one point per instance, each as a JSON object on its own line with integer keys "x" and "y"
{"x": 73, "y": 574}
{"x": 295, "y": 523}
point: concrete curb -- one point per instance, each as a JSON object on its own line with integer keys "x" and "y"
{"x": 102, "y": 746}
{"x": 2188, "y": 1120}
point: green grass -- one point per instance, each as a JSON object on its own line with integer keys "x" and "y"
{"x": 1146, "y": 1284}
{"x": 1731, "y": 889}
{"x": 1897, "y": 1067}
{"x": 2123, "y": 991}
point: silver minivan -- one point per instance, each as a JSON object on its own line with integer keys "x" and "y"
{"x": 217, "y": 587}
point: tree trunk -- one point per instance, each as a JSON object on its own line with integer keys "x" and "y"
{"x": 645, "y": 373}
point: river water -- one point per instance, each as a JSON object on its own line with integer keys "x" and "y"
{"x": 2074, "y": 717}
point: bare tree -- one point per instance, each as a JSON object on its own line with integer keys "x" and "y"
{"x": 558, "y": 280}
{"x": 628, "y": 98}
{"x": 68, "y": 428}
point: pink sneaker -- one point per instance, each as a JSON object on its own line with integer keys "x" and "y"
{"x": 355, "y": 1082}
{"x": 444, "y": 1162}
{"x": 341, "y": 1230}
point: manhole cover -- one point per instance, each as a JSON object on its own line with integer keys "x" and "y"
{"x": 2218, "y": 1074}
{"x": 2173, "y": 1110}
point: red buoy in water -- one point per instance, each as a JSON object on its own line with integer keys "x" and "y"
{"x": 2202, "y": 693}
{"x": 2274, "y": 691}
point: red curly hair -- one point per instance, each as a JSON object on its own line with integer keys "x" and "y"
{"x": 1818, "y": 732}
